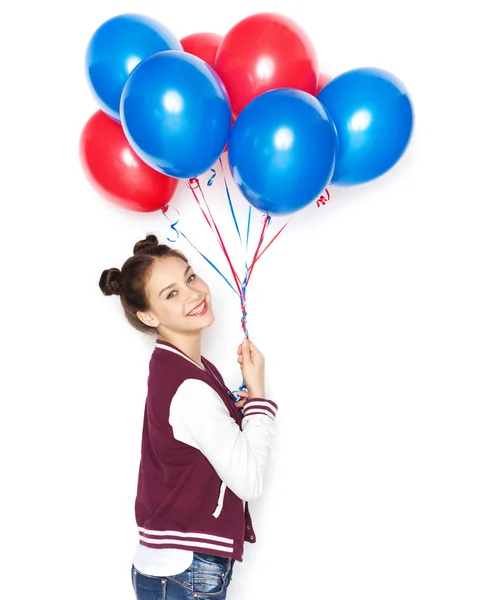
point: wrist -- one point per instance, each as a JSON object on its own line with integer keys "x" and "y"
{"x": 256, "y": 392}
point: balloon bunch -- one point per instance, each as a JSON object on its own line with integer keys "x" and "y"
{"x": 169, "y": 108}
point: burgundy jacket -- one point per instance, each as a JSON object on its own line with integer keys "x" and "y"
{"x": 181, "y": 501}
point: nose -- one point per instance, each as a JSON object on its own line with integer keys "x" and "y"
{"x": 194, "y": 291}
{"x": 194, "y": 296}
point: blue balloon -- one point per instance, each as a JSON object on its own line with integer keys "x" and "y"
{"x": 115, "y": 49}
{"x": 282, "y": 151}
{"x": 176, "y": 114}
{"x": 373, "y": 116}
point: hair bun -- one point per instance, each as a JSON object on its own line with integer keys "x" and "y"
{"x": 144, "y": 246}
{"x": 109, "y": 282}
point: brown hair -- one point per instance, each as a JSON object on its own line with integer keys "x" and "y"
{"x": 130, "y": 282}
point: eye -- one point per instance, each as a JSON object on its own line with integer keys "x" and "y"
{"x": 192, "y": 278}
{"x": 171, "y": 295}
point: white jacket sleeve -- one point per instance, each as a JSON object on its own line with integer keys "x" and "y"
{"x": 199, "y": 418}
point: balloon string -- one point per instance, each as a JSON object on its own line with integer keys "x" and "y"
{"x": 244, "y": 320}
{"x": 244, "y": 317}
{"x": 173, "y": 226}
{"x": 212, "y": 218}
{"x": 322, "y": 200}
{"x": 230, "y": 202}
{"x": 246, "y": 268}
{"x": 257, "y": 256}
{"x": 195, "y": 186}
{"x": 266, "y": 222}
{"x": 271, "y": 241}
{"x": 217, "y": 229}
{"x": 211, "y": 180}
{"x": 248, "y": 227}
{"x": 190, "y": 184}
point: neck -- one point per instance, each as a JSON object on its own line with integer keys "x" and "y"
{"x": 189, "y": 344}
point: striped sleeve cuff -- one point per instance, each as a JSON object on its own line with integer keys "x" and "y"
{"x": 260, "y": 406}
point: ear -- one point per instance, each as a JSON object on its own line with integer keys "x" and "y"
{"x": 148, "y": 318}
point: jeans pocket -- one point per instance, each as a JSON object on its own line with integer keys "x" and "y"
{"x": 147, "y": 587}
{"x": 209, "y": 575}
{"x": 208, "y": 583}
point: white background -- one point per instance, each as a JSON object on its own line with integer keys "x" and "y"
{"x": 370, "y": 311}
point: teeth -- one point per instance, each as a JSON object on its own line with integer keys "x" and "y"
{"x": 197, "y": 311}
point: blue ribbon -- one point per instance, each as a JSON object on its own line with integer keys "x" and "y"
{"x": 173, "y": 227}
{"x": 248, "y": 227}
{"x": 230, "y": 202}
{"x": 211, "y": 180}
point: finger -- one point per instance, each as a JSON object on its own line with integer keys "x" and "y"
{"x": 239, "y": 349}
{"x": 254, "y": 348}
{"x": 245, "y": 351}
{"x": 243, "y": 394}
{"x": 240, "y": 360}
{"x": 256, "y": 354}
{"x": 240, "y": 403}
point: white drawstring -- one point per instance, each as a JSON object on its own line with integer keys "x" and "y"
{"x": 220, "y": 502}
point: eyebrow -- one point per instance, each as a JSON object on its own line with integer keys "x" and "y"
{"x": 174, "y": 284}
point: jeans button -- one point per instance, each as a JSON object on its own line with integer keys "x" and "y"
{"x": 251, "y": 537}
{"x": 248, "y": 528}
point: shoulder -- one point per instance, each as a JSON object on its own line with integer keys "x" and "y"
{"x": 169, "y": 366}
{"x": 167, "y": 372}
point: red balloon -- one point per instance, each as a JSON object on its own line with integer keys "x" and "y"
{"x": 263, "y": 52}
{"x": 202, "y": 45}
{"x": 323, "y": 79}
{"x": 117, "y": 172}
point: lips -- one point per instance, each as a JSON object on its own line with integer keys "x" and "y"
{"x": 199, "y": 310}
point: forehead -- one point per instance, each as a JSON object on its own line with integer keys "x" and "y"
{"x": 165, "y": 271}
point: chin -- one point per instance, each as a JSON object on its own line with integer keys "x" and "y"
{"x": 208, "y": 319}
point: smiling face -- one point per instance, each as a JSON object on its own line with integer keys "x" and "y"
{"x": 179, "y": 301}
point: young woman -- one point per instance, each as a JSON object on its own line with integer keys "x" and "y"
{"x": 201, "y": 460}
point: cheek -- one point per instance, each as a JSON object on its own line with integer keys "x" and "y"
{"x": 164, "y": 310}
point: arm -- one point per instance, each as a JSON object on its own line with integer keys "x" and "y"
{"x": 200, "y": 419}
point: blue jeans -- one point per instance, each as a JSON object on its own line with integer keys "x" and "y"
{"x": 208, "y": 577}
